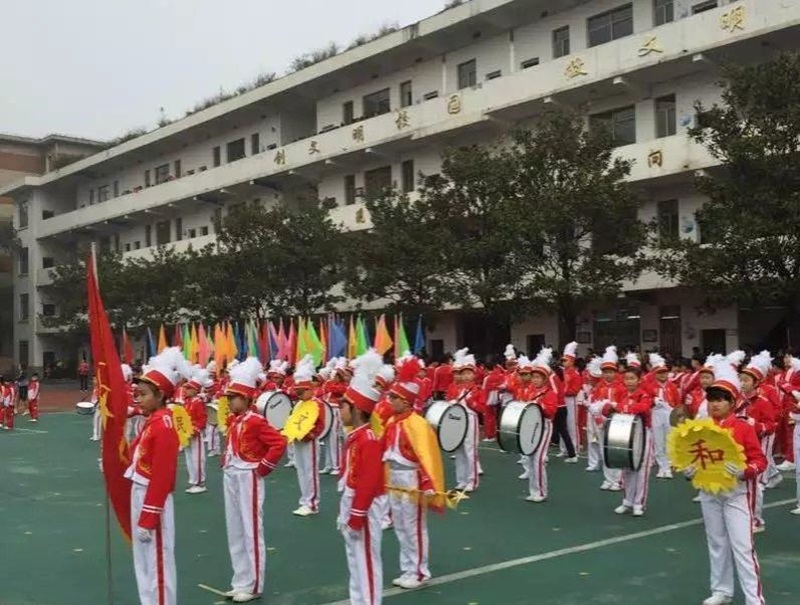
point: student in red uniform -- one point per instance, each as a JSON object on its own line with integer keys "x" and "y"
{"x": 443, "y": 377}
{"x": 665, "y": 399}
{"x": 491, "y": 386}
{"x": 361, "y": 486}
{"x": 6, "y": 404}
{"x": 34, "y": 391}
{"x": 728, "y": 516}
{"x": 471, "y": 396}
{"x": 534, "y": 387}
{"x": 788, "y": 384}
{"x": 635, "y": 401}
{"x": 195, "y": 452}
{"x": 333, "y": 389}
{"x": 573, "y": 381}
{"x": 307, "y": 450}
{"x": 609, "y": 390}
{"x": 154, "y": 461}
{"x": 253, "y": 451}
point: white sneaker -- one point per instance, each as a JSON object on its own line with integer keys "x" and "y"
{"x": 304, "y": 511}
{"x": 696, "y": 498}
{"x": 667, "y": 474}
{"x": 410, "y": 583}
{"x": 718, "y": 599}
{"x": 335, "y": 472}
{"x": 289, "y": 464}
{"x": 774, "y": 482}
{"x": 622, "y": 510}
{"x": 759, "y": 529}
{"x": 34, "y": 420}
{"x": 535, "y": 499}
{"x": 605, "y": 486}
{"x": 795, "y": 511}
{"x": 325, "y": 471}
{"x": 245, "y": 597}
{"x": 487, "y": 440}
{"x": 197, "y": 489}
{"x": 573, "y": 460}
{"x": 398, "y": 580}
{"x": 786, "y": 466}
{"x": 591, "y": 469}
{"x": 386, "y": 525}
{"x": 525, "y": 475}
{"x": 638, "y": 511}
{"x": 616, "y": 487}
{"x": 561, "y": 454}
{"x": 231, "y": 593}
{"x": 660, "y": 475}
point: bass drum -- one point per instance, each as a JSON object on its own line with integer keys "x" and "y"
{"x": 624, "y": 441}
{"x": 450, "y": 421}
{"x": 276, "y": 407}
{"x": 521, "y": 428}
{"x": 85, "y": 408}
{"x": 211, "y": 410}
{"x": 328, "y": 421}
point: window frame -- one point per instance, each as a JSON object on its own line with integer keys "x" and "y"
{"x": 611, "y": 117}
{"x": 407, "y": 178}
{"x": 467, "y": 74}
{"x": 406, "y": 93}
{"x": 382, "y": 106}
{"x": 559, "y": 52}
{"x": 672, "y": 231}
{"x": 611, "y": 25}
{"x": 349, "y": 189}
{"x": 671, "y": 121}
{"x": 663, "y": 12}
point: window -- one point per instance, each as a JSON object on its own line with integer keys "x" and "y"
{"x": 178, "y": 229}
{"x": 431, "y": 95}
{"x": 216, "y": 153}
{"x": 663, "y": 11}
{"x": 163, "y": 232}
{"x": 148, "y": 236}
{"x": 377, "y": 181}
{"x": 116, "y": 188}
{"x": 102, "y": 194}
{"x": 665, "y": 116}
{"x": 23, "y": 214}
{"x": 137, "y": 245}
{"x": 127, "y": 247}
{"x": 668, "y": 220}
{"x": 560, "y": 42}
{"x": 48, "y": 309}
{"x": 407, "y": 176}
{"x": 406, "y": 95}
{"x": 621, "y": 124}
{"x": 704, "y": 6}
{"x": 467, "y": 74}
{"x": 48, "y": 262}
{"x": 235, "y": 150}
{"x": 46, "y": 214}
{"x": 178, "y": 169}
{"x": 493, "y": 75}
{"x": 350, "y": 189}
{"x": 24, "y": 312}
{"x": 377, "y": 103}
{"x": 192, "y": 233}
{"x": 255, "y": 143}
{"x": 116, "y": 242}
{"x": 23, "y": 261}
{"x": 530, "y": 63}
{"x": 612, "y": 25}
{"x": 203, "y": 230}
{"x": 91, "y": 196}
{"x": 146, "y": 178}
{"x": 162, "y": 173}
{"x": 347, "y": 112}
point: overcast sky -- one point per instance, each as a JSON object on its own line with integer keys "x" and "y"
{"x": 97, "y": 68}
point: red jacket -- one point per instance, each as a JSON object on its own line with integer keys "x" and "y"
{"x": 196, "y": 408}
{"x": 573, "y": 381}
{"x": 695, "y": 400}
{"x": 760, "y": 410}
{"x": 363, "y": 472}
{"x": 610, "y": 391}
{"x": 638, "y": 402}
{"x": 155, "y": 459}
{"x": 333, "y": 390}
{"x": 666, "y": 391}
{"x": 442, "y": 378}
{"x": 33, "y": 390}
{"x": 544, "y": 397}
{"x": 745, "y": 435}
{"x": 474, "y": 400}
{"x": 252, "y": 439}
{"x": 425, "y": 393}
{"x": 787, "y": 382}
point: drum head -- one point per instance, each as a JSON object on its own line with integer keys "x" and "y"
{"x": 328, "y": 420}
{"x": 261, "y": 403}
{"x": 637, "y": 443}
{"x": 212, "y": 408}
{"x": 531, "y": 430}
{"x": 624, "y": 442}
{"x": 278, "y": 408}
{"x": 452, "y": 428}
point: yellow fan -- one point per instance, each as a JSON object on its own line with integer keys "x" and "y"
{"x": 223, "y": 411}
{"x": 182, "y": 423}
{"x": 301, "y": 420}
{"x": 708, "y": 447}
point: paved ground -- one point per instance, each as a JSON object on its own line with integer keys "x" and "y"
{"x": 496, "y": 549}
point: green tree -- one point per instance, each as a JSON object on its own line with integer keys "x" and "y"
{"x": 750, "y": 225}
{"x": 574, "y": 218}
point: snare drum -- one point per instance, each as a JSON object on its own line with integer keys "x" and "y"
{"x": 521, "y": 428}
{"x": 211, "y": 409}
{"x": 624, "y": 441}
{"x": 85, "y": 408}
{"x": 275, "y": 406}
{"x": 451, "y": 423}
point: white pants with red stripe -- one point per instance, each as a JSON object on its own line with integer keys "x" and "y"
{"x": 637, "y": 483}
{"x": 594, "y": 438}
{"x": 306, "y": 461}
{"x": 797, "y": 457}
{"x": 363, "y": 549}
{"x": 728, "y": 521}
{"x": 467, "y": 463}
{"x": 212, "y": 439}
{"x": 537, "y": 465}
{"x": 767, "y": 445}
{"x": 333, "y": 443}
{"x": 572, "y": 425}
{"x": 661, "y": 428}
{"x": 195, "y": 454}
{"x": 154, "y": 561}
{"x": 244, "y": 520}
{"x": 410, "y": 525}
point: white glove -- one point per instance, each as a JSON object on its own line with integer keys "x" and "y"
{"x": 751, "y": 421}
{"x": 144, "y": 535}
{"x": 690, "y": 471}
{"x": 353, "y": 534}
{"x": 796, "y": 395}
{"x": 596, "y": 408}
{"x": 734, "y": 470}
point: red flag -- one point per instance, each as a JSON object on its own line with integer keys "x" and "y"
{"x": 263, "y": 343}
{"x": 292, "y": 343}
{"x": 177, "y": 337}
{"x": 127, "y": 348}
{"x": 113, "y": 402}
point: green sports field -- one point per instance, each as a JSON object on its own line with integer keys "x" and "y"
{"x": 496, "y": 549}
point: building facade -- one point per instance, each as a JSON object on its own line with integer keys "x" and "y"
{"x": 381, "y": 113}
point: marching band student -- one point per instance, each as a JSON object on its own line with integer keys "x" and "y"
{"x": 608, "y": 390}
{"x": 361, "y": 486}
{"x": 306, "y": 451}
{"x": 333, "y": 390}
{"x": 573, "y": 382}
{"x": 443, "y": 377}
{"x": 594, "y": 422}
{"x": 635, "y": 401}
{"x": 697, "y": 404}
{"x": 788, "y": 383}
{"x": 253, "y": 450}
{"x": 795, "y": 417}
{"x": 425, "y": 389}
{"x": 154, "y": 458}
{"x": 135, "y": 419}
{"x": 195, "y": 452}
{"x": 277, "y": 381}
{"x": 491, "y": 386}
{"x": 755, "y": 409}
{"x": 7, "y": 403}
{"x": 97, "y": 418}
{"x": 465, "y": 391}
{"x": 534, "y": 387}
{"x": 728, "y": 516}
{"x": 665, "y": 398}
{"x": 34, "y": 390}
{"x": 415, "y": 477}
{"x": 212, "y": 434}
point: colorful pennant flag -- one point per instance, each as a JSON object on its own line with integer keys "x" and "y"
{"x": 400, "y": 339}
{"x": 419, "y": 338}
{"x": 383, "y": 340}
{"x": 162, "y": 339}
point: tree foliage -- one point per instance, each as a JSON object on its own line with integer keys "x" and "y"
{"x": 750, "y": 225}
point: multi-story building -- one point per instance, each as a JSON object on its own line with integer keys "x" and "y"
{"x": 20, "y": 157}
{"x": 381, "y": 113}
